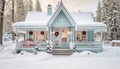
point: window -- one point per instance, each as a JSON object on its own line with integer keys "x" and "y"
{"x": 64, "y": 34}
{"x": 78, "y": 38}
{"x": 81, "y": 36}
{"x": 40, "y": 36}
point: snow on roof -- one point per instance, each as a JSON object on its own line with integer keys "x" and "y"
{"x": 82, "y": 17}
{"x": 84, "y": 20}
{"x": 92, "y": 25}
{"x": 116, "y": 41}
{"x": 22, "y": 26}
{"x": 30, "y": 24}
{"x": 96, "y": 24}
{"x": 42, "y": 17}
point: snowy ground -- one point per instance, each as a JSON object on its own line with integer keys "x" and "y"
{"x": 108, "y": 59}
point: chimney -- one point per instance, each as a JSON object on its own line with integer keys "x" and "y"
{"x": 49, "y": 10}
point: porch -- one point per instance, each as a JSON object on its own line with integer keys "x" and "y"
{"x": 94, "y": 46}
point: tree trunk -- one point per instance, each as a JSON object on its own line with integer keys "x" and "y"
{"x": 1, "y": 20}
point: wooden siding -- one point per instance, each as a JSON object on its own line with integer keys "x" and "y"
{"x": 90, "y": 35}
{"x": 61, "y": 21}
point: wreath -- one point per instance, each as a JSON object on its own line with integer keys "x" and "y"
{"x": 56, "y": 33}
{"x": 30, "y": 33}
{"x": 42, "y": 32}
{"x": 84, "y": 33}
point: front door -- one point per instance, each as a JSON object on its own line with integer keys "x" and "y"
{"x": 61, "y": 36}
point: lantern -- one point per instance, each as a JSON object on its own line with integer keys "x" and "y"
{"x": 84, "y": 33}
{"x": 42, "y": 32}
{"x": 30, "y": 33}
{"x": 56, "y": 33}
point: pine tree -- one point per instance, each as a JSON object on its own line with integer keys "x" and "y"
{"x": 19, "y": 11}
{"x": 110, "y": 16}
{"x": 98, "y": 13}
{"x": 2, "y": 6}
{"x": 7, "y": 26}
{"x": 30, "y": 5}
{"x": 38, "y": 6}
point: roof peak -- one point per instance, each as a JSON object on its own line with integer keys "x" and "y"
{"x": 61, "y": 2}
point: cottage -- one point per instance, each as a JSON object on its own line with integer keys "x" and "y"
{"x": 60, "y": 29}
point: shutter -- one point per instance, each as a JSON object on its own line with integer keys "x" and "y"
{"x": 90, "y": 35}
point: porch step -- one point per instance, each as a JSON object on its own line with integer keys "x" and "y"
{"x": 62, "y": 51}
{"x": 61, "y": 47}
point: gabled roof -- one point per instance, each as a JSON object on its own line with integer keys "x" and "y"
{"x": 41, "y": 17}
{"x": 98, "y": 26}
{"x": 62, "y": 8}
{"x": 80, "y": 17}
{"x": 40, "y": 20}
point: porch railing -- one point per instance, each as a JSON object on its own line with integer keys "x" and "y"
{"x": 27, "y": 44}
{"x": 42, "y": 46}
{"x": 62, "y": 45}
{"x": 89, "y": 46}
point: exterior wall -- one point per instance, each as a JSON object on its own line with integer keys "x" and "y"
{"x": 89, "y": 44}
{"x": 90, "y": 35}
{"x": 61, "y": 21}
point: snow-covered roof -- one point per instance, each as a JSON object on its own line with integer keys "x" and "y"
{"x": 30, "y": 25}
{"x": 84, "y": 20}
{"x": 91, "y": 26}
{"x": 80, "y": 17}
{"x": 42, "y": 17}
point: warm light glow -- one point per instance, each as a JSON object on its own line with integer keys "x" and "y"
{"x": 69, "y": 32}
{"x": 53, "y": 32}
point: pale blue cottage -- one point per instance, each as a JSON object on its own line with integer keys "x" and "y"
{"x": 63, "y": 30}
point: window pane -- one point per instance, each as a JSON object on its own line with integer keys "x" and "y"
{"x": 83, "y": 35}
{"x": 78, "y": 36}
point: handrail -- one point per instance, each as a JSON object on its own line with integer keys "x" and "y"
{"x": 89, "y": 44}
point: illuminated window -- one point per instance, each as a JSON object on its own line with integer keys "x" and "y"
{"x": 64, "y": 34}
{"x": 40, "y": 36}
{"x": 81, "y": 36}
{"x": 78, "y": 36}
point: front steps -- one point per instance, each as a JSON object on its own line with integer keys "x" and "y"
{"x": 62, "y": 51}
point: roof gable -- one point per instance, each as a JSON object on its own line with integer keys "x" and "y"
{"x": 60, "y": 9}
{"x": 61, "y": 21}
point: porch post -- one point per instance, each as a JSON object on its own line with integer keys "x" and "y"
{"x": 27, "y": 34}
{"x": 73, "y": 38}
{"x": 49, "y": 34}
{"x": 17, "y": 38}
{"x": 101, "y": 36}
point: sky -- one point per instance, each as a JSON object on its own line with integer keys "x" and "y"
{"x": 72, "y": 5}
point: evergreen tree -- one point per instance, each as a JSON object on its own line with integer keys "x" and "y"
{"x": 38, "y": 6}
{"x": 2, "y": 6}
{"x": 98, "y": 13}
{"x": 19, "y": 11}
{"x": 111, "y": 16}
{"x": 7, "y": 26}
{"x": 30, "y": 5}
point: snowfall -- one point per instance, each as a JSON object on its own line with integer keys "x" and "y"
{"x": 108, "y": 59}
